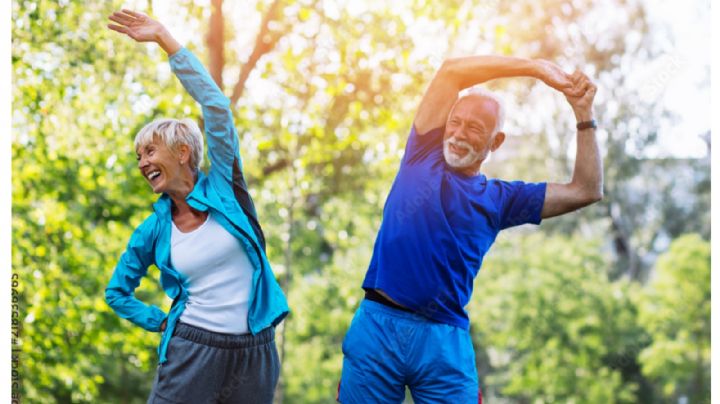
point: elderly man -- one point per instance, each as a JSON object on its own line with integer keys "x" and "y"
{"x": 440, "y": 218}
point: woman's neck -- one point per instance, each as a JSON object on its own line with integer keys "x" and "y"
{"x": 181, "y": 207}
{"x": 181, "y": 189}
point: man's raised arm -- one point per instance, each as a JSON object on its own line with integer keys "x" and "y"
{"x": 459, "y": 73}
{"x": 586, "y": 186}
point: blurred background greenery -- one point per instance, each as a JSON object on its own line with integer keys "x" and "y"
{"x": 610, "y": 304}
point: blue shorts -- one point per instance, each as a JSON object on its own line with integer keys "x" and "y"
{"x": 386, "y": 349}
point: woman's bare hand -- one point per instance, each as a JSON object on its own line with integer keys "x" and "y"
{"x": 137, "y": 26}
{"x": 142, "y": 28}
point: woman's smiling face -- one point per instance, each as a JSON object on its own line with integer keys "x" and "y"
{"x": 162, "y": 167}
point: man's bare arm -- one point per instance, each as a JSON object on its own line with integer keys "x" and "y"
{"x": 586, "y": 186}
{"x": 459, "y": 73}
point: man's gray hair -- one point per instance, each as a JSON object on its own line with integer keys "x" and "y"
{"x": 482, "y": 92}
{"x": 174, "y": 132}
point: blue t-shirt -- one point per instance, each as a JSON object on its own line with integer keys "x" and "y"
{"x": 437, "y": 226}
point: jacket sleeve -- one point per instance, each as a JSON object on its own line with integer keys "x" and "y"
{"x": 120, "y": 292}
{"x": 220, "y": 132}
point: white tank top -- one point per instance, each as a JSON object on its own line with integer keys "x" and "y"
{"x": 219, "y": 276}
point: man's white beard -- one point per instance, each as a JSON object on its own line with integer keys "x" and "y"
{"x": 454, "y": 160}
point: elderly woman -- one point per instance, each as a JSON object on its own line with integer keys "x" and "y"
{"x": 218, "y": 340}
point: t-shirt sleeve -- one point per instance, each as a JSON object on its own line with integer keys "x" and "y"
{"x": 520, "y": 202}
{"x": 421, "y": 147}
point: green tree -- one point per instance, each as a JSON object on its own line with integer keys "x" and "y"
{"x": 551, "y": 324}
{"x": 80, "y": 96}
{"x": 675, "y": 311}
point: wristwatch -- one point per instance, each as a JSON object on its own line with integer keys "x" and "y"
{"x": 586, "y": 125}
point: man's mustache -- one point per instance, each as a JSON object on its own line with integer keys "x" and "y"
{"x": 461, "y": 143}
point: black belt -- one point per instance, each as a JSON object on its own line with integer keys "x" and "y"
{"x": 375, "y": 296}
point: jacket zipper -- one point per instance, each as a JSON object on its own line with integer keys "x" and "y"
{"x": 246, "y": 235}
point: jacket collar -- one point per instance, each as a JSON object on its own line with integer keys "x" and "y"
{"x": 195, "y": 199}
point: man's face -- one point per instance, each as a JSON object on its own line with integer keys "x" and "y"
{"x": 468, "y": 133}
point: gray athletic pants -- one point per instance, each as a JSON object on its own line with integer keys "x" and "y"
{"x": 208, "y": 367}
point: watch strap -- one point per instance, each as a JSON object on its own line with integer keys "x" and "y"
{"x": 586, "y": 125}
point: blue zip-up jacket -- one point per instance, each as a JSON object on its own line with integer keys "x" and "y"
{"x": 224, "y": 192}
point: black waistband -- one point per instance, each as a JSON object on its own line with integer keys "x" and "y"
{"x": 375, "y": 296}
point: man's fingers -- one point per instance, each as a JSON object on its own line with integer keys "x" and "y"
{"x": 589, "y": 90}
{"x": 571, "y": 78}
{"x": 567, "y": 85}
{"x": 576, "y": 90}
{"x": 562, "y": 81}
{"x": 573, "y": 91}
{"x": 575, "y": 76}
{"x": 582, "y": 87}
{"x": 584, "y": 76}
{"x": 582, "y": 83}
{"x": 592, "y": 90}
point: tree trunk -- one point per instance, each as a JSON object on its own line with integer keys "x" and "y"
{"x": 215, "y": 42}
{"x": 622, "y": 246}
{"x": 264, "y": 43}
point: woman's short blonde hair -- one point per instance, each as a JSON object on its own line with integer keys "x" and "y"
{"x": 174, "y": 132}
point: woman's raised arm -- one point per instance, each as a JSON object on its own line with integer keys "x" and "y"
{"x": 220, "y": 132}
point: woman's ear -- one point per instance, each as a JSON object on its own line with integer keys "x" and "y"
{"x": 184, "y": 153}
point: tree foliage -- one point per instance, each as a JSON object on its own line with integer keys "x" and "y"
{"x": 675, "y": 310}
{"x": 550, "y": 321}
